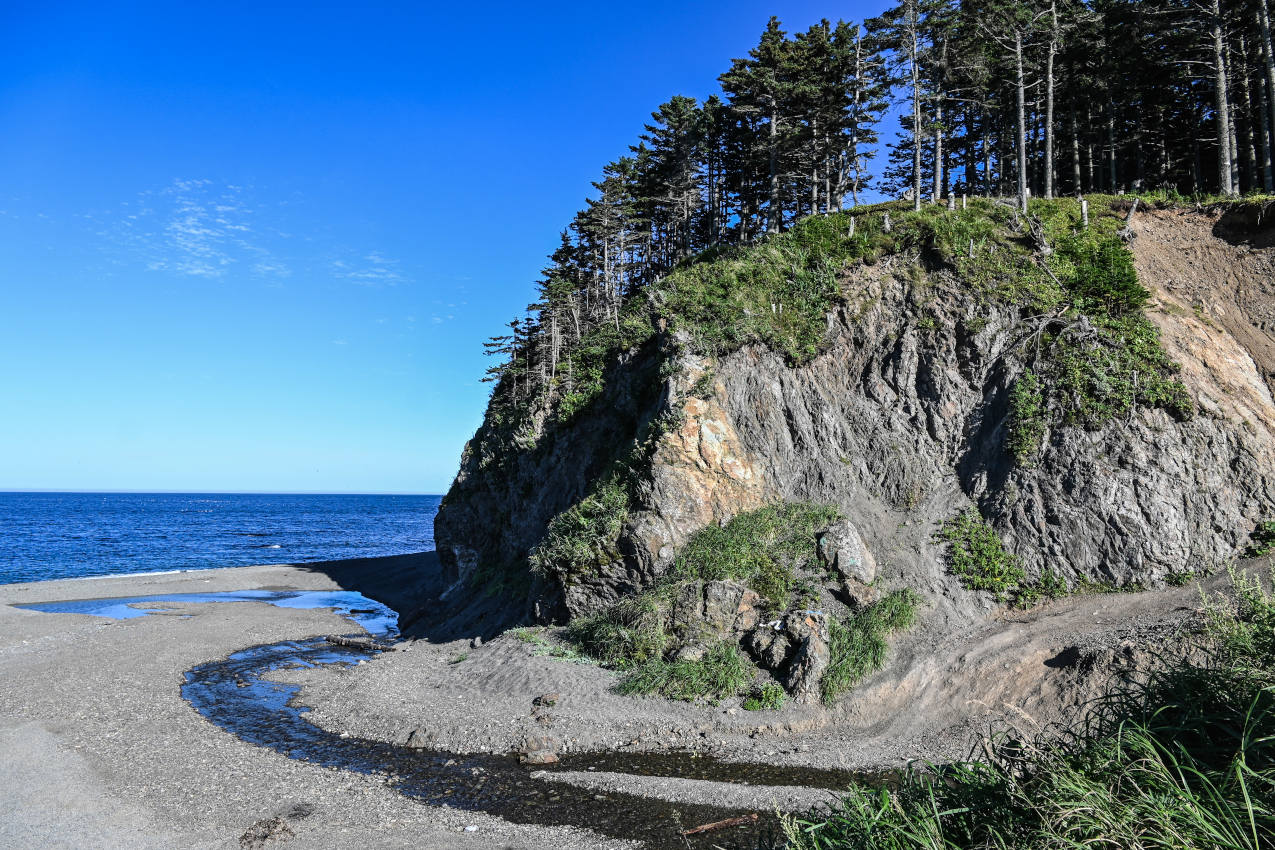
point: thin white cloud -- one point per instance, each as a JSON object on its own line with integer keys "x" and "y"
{"x": 196, "y": 228}
{"x": 372, "y": 269}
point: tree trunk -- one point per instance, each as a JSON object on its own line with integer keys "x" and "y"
{"x": 776, "y": 211}
{"x": 1022, "y": 123}
{"x": 1222, "y": 107}
{"x": 1264, "y": 101}
{"x": 916, "y": 107}
{"x": 1111, "y": 145}
{"x": 1049, "y": 101}
{"x": 1265, "y": 21}
{"x": 1089, "y": 156}
{"x": 1075, "y": 151}
{"x": 1250, "y": 137}
{"x": 939, "y": 169}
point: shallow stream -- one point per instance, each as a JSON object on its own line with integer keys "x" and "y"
{"x": 235, "y": 694}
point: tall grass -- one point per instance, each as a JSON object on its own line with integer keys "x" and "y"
{"x": 722, "y": 672}
{"x": 857, "y": 645}
{"x": 763, "y": 548}
{"x": 1183, "y": 758}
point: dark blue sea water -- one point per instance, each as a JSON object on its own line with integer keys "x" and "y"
{"x": 68, "y": 535}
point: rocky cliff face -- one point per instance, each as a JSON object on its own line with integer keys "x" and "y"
{"x": 901, "y": 423}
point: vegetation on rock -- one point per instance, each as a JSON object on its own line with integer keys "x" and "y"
{"x": 858, "y": 646}
{"x": 769, "y": 697}
{"x": 772, "y": 551}
{"x": 1263, "y": 538}
{"x": 763, "y": 548}
{"x": 978, "y": 556}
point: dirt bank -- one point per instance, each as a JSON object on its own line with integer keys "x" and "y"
{"x": 931, "y": 702}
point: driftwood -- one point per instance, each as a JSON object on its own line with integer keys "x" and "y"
{"x": 358, "y": 643}
{"x": 722, "y": 824}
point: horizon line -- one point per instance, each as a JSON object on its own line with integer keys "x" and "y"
{"x": 145, "y": 492}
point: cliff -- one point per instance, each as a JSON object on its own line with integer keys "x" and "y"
{"x": 1110, "y": 432}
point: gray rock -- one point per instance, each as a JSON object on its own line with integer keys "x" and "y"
{"x": 748, "y": 614}
{"x": 691, "y": 652}
{"x": 842, "y": 550}
{"x": 768, "y": 647}
{"x": 859, "y": 595}
{"x": 421, "y": 738}
{"x": 687, "y": 622}
{"x": 538, "y": 749}
{"x": 809, "y": 633}
{"x": 722, "y": 605}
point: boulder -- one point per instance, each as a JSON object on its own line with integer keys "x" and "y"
{"x": 690, "y": 652}
{"x": 721, "y": 605}
{"x": 687, "y": 622}
{"x": 747, "y": 613}
{"x": 808, "y": 632}
{"x": 859, "y": 595}
{"x": 538, "y": 749}
{"x": 768, "y": 646}
{"x": 843, "y": 551}
{"x": 420, "y": 738}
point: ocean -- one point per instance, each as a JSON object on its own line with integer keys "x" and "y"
{"x": 72, "y": 535}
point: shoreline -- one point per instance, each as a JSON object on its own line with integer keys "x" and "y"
{"x": 102, "y": 751}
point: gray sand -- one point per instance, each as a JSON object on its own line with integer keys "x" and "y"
{"x": 100, "y": 750}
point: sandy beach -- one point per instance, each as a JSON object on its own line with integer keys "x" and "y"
{"x": 101, "y": 751}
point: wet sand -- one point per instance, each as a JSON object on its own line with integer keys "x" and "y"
{"x": 100, "y": 750}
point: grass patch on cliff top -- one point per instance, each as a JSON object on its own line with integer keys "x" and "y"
{"x": 1184, "y": 757}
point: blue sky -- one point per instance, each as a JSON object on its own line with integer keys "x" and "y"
{"x": 257, "y": 247}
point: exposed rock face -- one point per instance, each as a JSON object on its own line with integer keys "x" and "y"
{"x": 901, "y": 423}
{"x": 708, "y": 611}
{"x": 809, "y": 634}
{"x": 795, "y": 649}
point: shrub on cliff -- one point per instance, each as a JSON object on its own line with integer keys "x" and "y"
{"x": 762, "y": 548}
{"x": 978, "y": 557}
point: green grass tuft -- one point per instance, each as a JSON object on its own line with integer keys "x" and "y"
{"x": 769, "y": 697}
{"x": 858, "y": 644}
{"x": 722, "y": 672}
{"x": 978, "y": 557}
{"x": 628, "y": 634}
{"x": 583, "y": 537}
